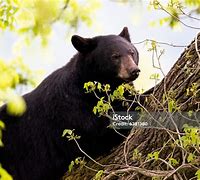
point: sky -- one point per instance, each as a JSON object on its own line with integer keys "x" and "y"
{"x": 109, "y": 19}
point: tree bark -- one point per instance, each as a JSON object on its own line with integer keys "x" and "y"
{"x": 120, "y": 163}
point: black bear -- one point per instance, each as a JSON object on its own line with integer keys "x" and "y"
{"x": 34, "y": 148}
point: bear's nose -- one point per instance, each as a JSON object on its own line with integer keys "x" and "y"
{"x": 135, "y": 72}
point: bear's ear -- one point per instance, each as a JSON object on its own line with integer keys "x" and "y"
{"x": 125, "y": 34}
{"x": 81, "y": 44}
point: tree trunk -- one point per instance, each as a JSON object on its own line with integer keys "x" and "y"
{"x": 129, "y": 160}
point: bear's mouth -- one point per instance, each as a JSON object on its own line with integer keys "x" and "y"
{"x": 131, "y": 78}
{"x": 129, "y": 75}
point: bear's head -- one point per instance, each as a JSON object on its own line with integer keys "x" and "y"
{"x": 108, "y": 59}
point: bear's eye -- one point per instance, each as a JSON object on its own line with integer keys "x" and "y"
{"x": 115, "y": 56}
{"x": 131, "y": 52}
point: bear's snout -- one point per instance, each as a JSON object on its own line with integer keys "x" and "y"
{"x": 128, "y": 71}
{"x": 134, "y": 73}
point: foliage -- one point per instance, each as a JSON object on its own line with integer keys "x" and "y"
{"x": 104, "y": 102}
{"x": 191, "y": 137}
{"x": 13, "y": 75}
{"x": 8, "y": 9}
{"x": 78, "y": 161}
{"x": 37, "y": 17}
{"x": 69, "y": 134}
{"x": 4, "y": 174}
{"x": 2, "y": 127}
{"x": 198, "y": 174}
{"x": 176, "y": 10}
{"x": 154, "y": 155}
{"x": 98, "y": 175}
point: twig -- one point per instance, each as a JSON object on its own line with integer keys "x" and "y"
{"x": 159, "y": 42}
{"x": 189, "y": 15}
{"x": 88, "y": 155}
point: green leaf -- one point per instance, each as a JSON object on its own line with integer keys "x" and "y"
{"x": 198, "y": 174}
{"x": 16, "y": 106}
{"x": 2, "y": 125}
{"x": 190, "y": 157}
{"x": 70, "y": 167}
{"x": 154, "y": 155}
{"x": 121, "y": 90}
{"x": 98, "y": 175}
{"x": 67, "y": 132}
{"x": 99, "y": 86}
{"x": 155, "y": 76}
{"x": 173, "y": 161}
{"x": 4, "y": 174}
{"x": 95, "y": 110}
{"x": 107, "y": 88}
{"x": 1, "y": 143}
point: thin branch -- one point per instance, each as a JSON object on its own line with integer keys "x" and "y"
{"x": 159, "y": 42}
{"x": 189, "y": 15}
{"x": 88, "y": 155}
